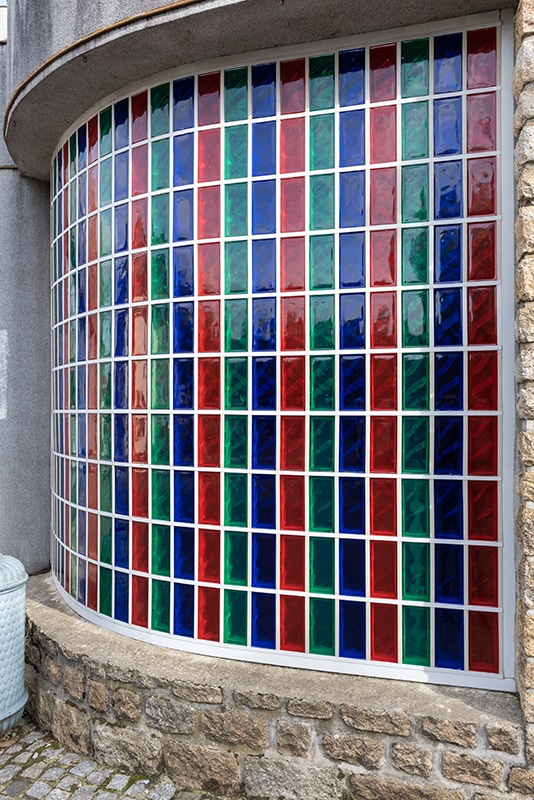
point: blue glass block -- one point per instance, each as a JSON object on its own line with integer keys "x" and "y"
{"x": 121, "y": 437}
{"x": 183, "y": 161}
{"x": 352, "y": 199}
{"x": 121, "y": 332}
{"x": 183, "y": 383}
{"x": 184, "y": 497}
{"x": 448, "y": 63}
{"x": 184, "y": 441}
{"x": 448, "y": 253}
{"x": 263, "y": 442}
{"x": 183, "y": 327}
{"x": 264, "y": 323}
{"x": 121, "y": 228}
{"x": 264, "y": 384}
{"x": 352, "y": 505}
{"x": 121, "y": 280}
{"x": 184, "y": 609}
{"x": 447, "y": 317}
{"x": 122, "y": 113}
{"x": 352, "y": 444}
{"x": 82, "y": 243}
{"x": 182, "y": 223}
{"x": 351, "y": 629}
{"x": 122, "y": 497}
{"x": 449, "y": 632}
{"x": 184, "y": 553}
{"x": 263, "y": 621}
{"x": 263, "y": 207}
{"x": 264, "y": 90}
{"x": 81, "y": 339}
{"x": 121, "y": 384}
{"x": 264, "y": 265}
{"x": 263, "y": 501}
{"x": 82, "y": 436}
{"x": 352, "y": 77}
{"x": 448, "y": 509}
{"x": 82, "y": 486}
{"x": 352, "y": 385}
{"x": 81, "y": 387}
{"x": 264, "y": 560}
{"x": 264, "y": 148}
{"x": 352, "y": 138}
{"x": 121, "y": 592}
{"x": 82, "y": 147}
{"x": 121, "y": 176}
{"x": 449, "y": 566}
{"x": 352, "y": 567}
{"x": 183, "y": 109}
{"x": 448, "y": 126}
{"x": 448, "y": 381}
{"x": 352, "y": 321}
{"x": 351, "y": 260}
{"x": 82, "y": 195}
{"x": 183, "y": 271}
{"x": 448, "y": 441}
{"x": 448, "y": 189}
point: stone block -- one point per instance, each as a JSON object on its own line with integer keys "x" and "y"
{"x": 268, "y": 778}
{"x": 97, "y": 695}
{"x": 521, "y": 780}
{"x": 524, "y": 19}
{"x": 524, "y": 363}
{"x": 293, "y": 738}
{"x": 170, "y": 717}
{"x": 128, "y": 749}
{"x": 524, "y": 149}
{"x": 525, "y": 485}
{"x": 70, "y": 726}
{"x": 524, "y": 280}
{"x": 503, "y": 737}
{"x": 396, "y": 723}
{"x": 195, "y": 693}
{"x": 360, "y": 750}
{"x": 73, "y": 682}
{"x": 524, "y": 231}
{"x": 525, "y": 182}
{"x": 525, "y": 529}
{"x": 524, "y": 323}
{"x": 527, "y": 705}
{"x": 413, "y": 760}
{"x": 115, "y": 672}
{"x": 529, "y": 744}
{"x": 525, "y": 581}
{"x": 525, "y": 400}
{"x": 471, "y": 769}
{"x": 39, "y": 704}
{"x": 524, "y": 66}
{"x": 51, "y": 670}
{"x": 367, "y": 787}
{"x": 525, "y": 445}
{"x": 319, "y": 709}
{"x": 201, "y": 768}
{"x": 234, "y": 726}
{"x": 127, "y": 705}
{"x": 524, "y": 109}
{"x": 268, "y": 702}
{"x": 452, "y": 731}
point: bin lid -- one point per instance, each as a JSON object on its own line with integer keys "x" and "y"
{"x": 12, "y": 573}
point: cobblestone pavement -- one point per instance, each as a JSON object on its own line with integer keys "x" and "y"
{"x": 33, "y": 765}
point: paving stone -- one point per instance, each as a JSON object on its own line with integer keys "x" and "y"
{"x": 58, "y": 794}
{"x": 68, "y": 758}
{"x": 69, "y": 782}
{"x": 105, "y": 795}
{"x": 38, "y": 790}
{"x": 98, "y": 776}
{"x": 83, "y": 793}
{"x": 83, "y": 768}
{"x": 139, "y": 787}
{"x": 53, "y": 774}
{"x": 118, "y": 781}
{"x": 33, "y": 770}
{"x": 163, "y": 791}
{"x": 22, "y": 758}
{"x": 9, "y": 772}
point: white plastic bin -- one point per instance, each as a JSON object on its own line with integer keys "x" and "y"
{"x": 13, "y": 695}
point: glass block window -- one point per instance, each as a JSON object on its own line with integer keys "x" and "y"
{"x": 277, "y": 424}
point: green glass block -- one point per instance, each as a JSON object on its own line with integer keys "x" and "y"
{"x": 73, "y": 294}
{"x": 414, "y": 255}
{"x": 236, "y": 152}
{"x": 235, "y": 500}
{"x": 322, "y": 87}
{"x": 416, "y": 571}
{"x": 236, "y": 558}
{"x": 160, "y": 439}
{"x": 73, "y": 574}
{"x": 322, "y": 636}
{"x": 415, "y": 508}
{"x": 415, "y": 381}
{"x": 105, "y": 175}
{"x": 105, "y": 232}
{"x": 73, "y": 213}
{"x": 236, "y": 209}
{"x": 72, "y": 153}
{"x": 73, "y": 528}
{"x": 415, "y": 318}
{"x": 415, "y": 444}
{"x": 159, "y": 109}
{"x": 159, "y": 275}
{"x": 106, "y": 437}
{"x": 235, "y": 617}
{"x": 73, "y": 481}
{"x": 105, "y": 539}
{"x": 105, "y": 591}
{"x": 73, "y": 252}
{"x": 159, "y": 337}
{"x": 105, "y": 132}
{"x": 322, "y": 142}
{"x": 322, "y": 565}
{"x": 236, "y": 383}
{"x": 235, "y": 94}
{"x": 160, "y": 165}
{"x": 159, "y": 383}
{"x": 105, "y": 488}
{"x": 322, "y": 383}
{"x": 73, "y": 426}
{"x": 105, "y": 384}
{"x": 322, "y": 436}
{"x": 236, "y": 325}
{"x": 416, "y": 635}
{"x": 72, "y": 341}
{"x": 414, "y": 68}
{"x": 105, "y": 283}
{"x": 322, "y": 322}
{"x": 235, "y": 267}
{"x": 105, "y": 334}
{"x": 72, "y": 384}
{"x": 236, "y": 442}
{"x": 161, "y": 494}
{"x": 322, "y": 259}
{"x": 322, "y": 504}
{"x": 161, "y": 606}
{"x": 160, "y": 219}
{"x": 415, "y": 130}
{"x": 415, "y": 193}
{"x": 161, "y": 550}
{"x": 322, "y": 202}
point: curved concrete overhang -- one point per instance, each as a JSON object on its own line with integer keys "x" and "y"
{"x": 70, "y": 81}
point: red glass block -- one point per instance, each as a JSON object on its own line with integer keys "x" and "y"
{"x": 66, "y": 162}
{"x": 92, "y": 337}
{"x": 92, "y": 153}
{"x": 292, "y": 443}
{"x": 292, "y": 563}
{"x": 209, "y": 330}
{"x": 140, "y": 547}
{"x": 292, "y": 135}
{"x": 292, "y": 502}
{"x": 66, "y": 210}
{"x": 383, "y": 73}
{"x": 92, "y": 435}
{"x": 481, "y": 251}
{"x": 92, "y": 535}
{"x": 140, "y": 384}
{"x": 483, "y": 380}
{"x": 209, "y": 498}
{"x": 483, "y": 445}
{"x": 383, "y": 134}
{"x": 139, "y": 330}
{"x": 209, "y": 555}
{"x": 92, "y": 586}
{"x": 384, "y": 632}
{"x": 483, "y": 641}
{"x": 481, "y": 58}
{"x": 481, "y": 315}
{"x": 139, "y": 117}
{"x": 209, "y": 440}
{"x": 292, "y": 318}
{"x": 383, "y": 319}
{"x": 383, "y": 569}
{"x": 383, "y": 382}
{"x": 383, "y": 450}
{"x": 92, "y": 486}
{"x": 140, "y": 601}
{"x": 292, "y": 86}
{"x": 92, "y": 189}
{"x": 209, "y": 268}
{"x": 209, "y": 383}
{"x": 208, "y": 613}
{"x": 293, "y": 383}
{"x": 209, "y": 95}
{"x": 383, "y": 258}
{"x": 139, "y": 223}
{"x": 292, "y": 214}
{"x": 383, "y": 196}
{"x": 483, "y": 510}
{"x": 92, "y": 238}
{"x": 483, "y": 576}
{"x": 292, "y": 263}
{"x": 92, "y": 386}
{"x": 139, "y": 492}
{"x": 292, "y": 624}
{"x": 140, "y": 170}
{"x": 139, "y": 277}
{"x": 66, "y": 583}
{"x": 383, "y": 506}
{"x": 481, "y": 196}
{"x": 92, "y": 287}
{"x": 65, "y": 254}
{"x": 481, "y": 122}
{"x": 209, "y": 211}
{"x": 209, "y": 155}
{"x": 140, "y": 438}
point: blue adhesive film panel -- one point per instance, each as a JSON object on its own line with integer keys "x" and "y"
{"x": 184, "y": 441}
{"x": 352, "y": 567}
{"x": 352, "y": 138}
{"x": 449, "y": 579}
{"x": 264, "y": 323}
{"x": 448, "y": 317}
{"x": 264, "y": 384}
{"x": 351, "y": 79}
{"x": 263, "y": 620}
{"x": 183, "y": 110}
{"x": 264, "y": 265}
{"x": 263, "y": 442}
{"x": 352, "y": 260}
{"x": 183, "y": 327}
{"x": 183, "y": 383}
{"x": 448, "y": 509}
{"x": 184, "y": 497}
{"x": 184, "y": 609}
{"x": 448, "y": 381}
{"x": 184, "y": 553}
{"x": 263, "y": 207}
{"x": 264, "y": 501}
{"x": 352, "y": 444}
{"x": 351, "y": 629}
{"x": 352, "y": 383}
{"x": 183, "y": 159}
{"x": 264, "y": 90}
{"x": 263, "y": 148}
{"x": 448, "y": 253}
{"x": 264, "y": 560}
{"x": 183, "y": 271}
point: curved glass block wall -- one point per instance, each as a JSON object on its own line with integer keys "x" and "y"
{"x": 277, "y": 348}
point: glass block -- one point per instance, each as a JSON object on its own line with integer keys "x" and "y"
{"x": 105, "y": 233}
{"x": 383, "y": 73}
{"x": 292, "y": 549}
{"x": 161, "y": 550}
{"x": 235, "y": 558}
{"x": 183, "y": 108}
{"x": 105, "y": 596}
{"x": 263, "y": 323}
{"x": 351, "y": 138}
{"x": 161, "y": 494}
{"x": 264, "y": 501}
{"x": 321, "y": 504}
{"x": 383, "y": 319}
{"x": 160, "y": 438}
{"x": 415, "y": 318}
{"x": 482, "y": 383}
{"x": 352, "y": 505}
{"x": 483, "y": 445}
{"x": 121, "y": 437}
{"x": 322, "y": 201}
{"x": 184, "y": 609}
{"x": 236, "y": 442}
{"x": 292, "y": 206}
{"x": 292, "y": 86}
{"x": 292, "y": 321}
{"x": 209, "y": 440}
{"x": 449, "y": 634}
{"x": 416, "y": 571}
{"x": 481, "y": 316}
{"x": 184, "y": 497}
{"x": 448, "y": 509}
{"x": 159, "y": 390}
{"x": 448, "y": 449}
{"x": 235, "y": 266}
{"x": 121, "y": 176}
{"x": 351, "y": 77}
{"x": 481, "y": 188}
{"x": 263, "y": 620}
{"x": 292, "y": 623}
{"x": 161, "y": 601}
{"x": 448, "y": 317}
{"x": 160, "y": 219}
{"x": 209, "y": 155}
{"x": 183, "y": 382}
{"x": 121, "y": 228}
{"x": 263, "y": 207}
{"x": 481, "y": 58}
{"x": 415, "y": 193}
{"x": 182, "y": 229}
{"x": 322, "y": 435}
{"x": 416, "y": 635}
{"x": 291, "y": 504}
{"x": 264, "y": 90}
{"x": 264, "y": 384}
{"x": 351, "y": 443}
{"x": 322, "y": 383}
{"x": 448, "y": 253}
{"x": 183, "y": 159}
{"x": 414, "y": 255}
{"x": 322, "y": 141}
{"x": 235, "y": 94}
{"x": 383, "y": 444}
{"x": 322, "y": 262}
{"x": 414, "y": 68}
{"x": 236, "y": 383}
{"x": 448, "y": 126}
{"x": 449, "y": 583}
{"x": 264, "y": 148}
{"x": 351, "y": 629}
{"x": 481, "y": 122}
{"x": 322, "y": 631}
{"x": 352, "y": 202}
{"x": 292, "y": 263}
{"x": 415, "y": 444}
{"x": 351, "y": 567}
{"x": 105, "y": 334}
{"x": 351, "y": 260}
{"x": 209, "y": 493}
{"x": 322, "y": 321}
{"x": 159, "y": 109}
{"x": 235, "y": 500}
{"x": 236, "y": 152}
{"x": 139, "y": 438}
{"x": 105, "y": 489}
{"x": 209, "y": 94}
{"x": 383, "y": 134}
{"x": 383, "y": 569}
{"x": 383, "y": 257}
{"x": 105, "y": 132}
{"x": 209, "y": 326}
{"x": 415, "y": 381}
{"x": 448, "y": 63}
{"x": 448, "y": 380}
{"x": 292, "y": 443}
{"x": 139, "y": 230}
{"x": 208, "y": 212}
{"x": 448, "y": 189}
{"x": 160, "y": 165}
{"x": 139, "y": 279}
{"x": 160, "y": 329}
{"x": 383, "y": 210}
{"x": 264, "y": 560}
{"x": 383, "y": 506}
{"x": 481, "y": 257}
{"x": 236, "y": 325}
{"x": 183, "y": 271}
{"x": 159, "y": 274}
{"x": 208, "y": 613}
{"x": 292, "y": 145}
{"x": 321, "y": 82}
